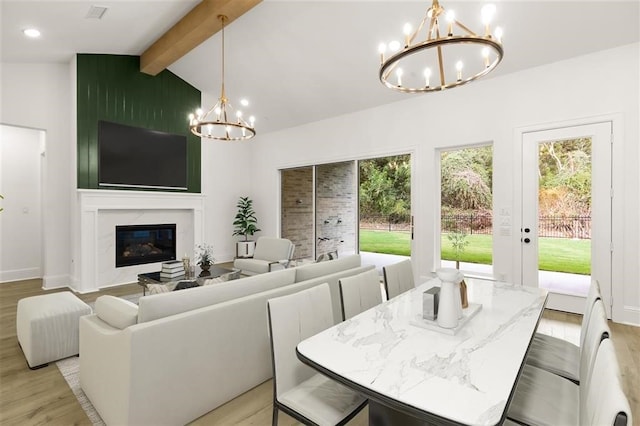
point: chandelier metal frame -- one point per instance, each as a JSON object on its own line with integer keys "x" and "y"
{"x": 435, "y": 41}
{"x": 215, "y": 123}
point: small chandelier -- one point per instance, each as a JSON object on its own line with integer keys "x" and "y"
{"x": 221, "y": 122}
{"x": 436, "y": 61}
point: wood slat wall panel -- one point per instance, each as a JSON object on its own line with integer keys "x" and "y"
{"x": 112, "y": 88}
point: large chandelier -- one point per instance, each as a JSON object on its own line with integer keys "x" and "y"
{"x": 222, "y": 122}
{"x": 435, "y": 60}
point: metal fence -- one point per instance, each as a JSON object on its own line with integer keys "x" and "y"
{"x": 578, "y": 227}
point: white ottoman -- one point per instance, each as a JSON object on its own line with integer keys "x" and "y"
{"x": 47, "y": 327}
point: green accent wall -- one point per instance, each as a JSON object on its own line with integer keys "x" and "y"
{"x": 112, "y": 88}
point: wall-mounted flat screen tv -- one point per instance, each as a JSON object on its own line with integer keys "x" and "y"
{"x": 140, "y": 158}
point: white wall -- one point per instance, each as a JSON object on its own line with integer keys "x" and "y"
{"x": 490, "y": 110}
{"x": 21, "y": 219}
{"x": 226, "y": 175}
{"x": 37, "y": 96}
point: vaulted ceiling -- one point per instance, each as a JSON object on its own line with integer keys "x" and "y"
{"x": 300, "y": 61}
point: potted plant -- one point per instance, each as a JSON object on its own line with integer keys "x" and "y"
{"x": 204, "y": 256}
{"x": 246, "y": 225}
{"x": 458, "y": 243}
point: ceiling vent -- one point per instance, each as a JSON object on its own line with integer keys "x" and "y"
{"x": 96, "y": 12}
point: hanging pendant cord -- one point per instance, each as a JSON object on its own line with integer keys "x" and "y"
{"x": 222, "y": 19}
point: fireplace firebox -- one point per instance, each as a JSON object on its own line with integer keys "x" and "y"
{"x": 140, "y": 244}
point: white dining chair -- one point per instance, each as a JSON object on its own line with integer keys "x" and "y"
{"x": 398, "y": 278}
{"x": 560, "y": 356}
{"x": 359, "y": 293}
{"x": 300, "y": 391}
{"x": 544, "y": 398}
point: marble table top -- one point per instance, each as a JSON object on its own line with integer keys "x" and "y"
{"x": 466, "y": 378}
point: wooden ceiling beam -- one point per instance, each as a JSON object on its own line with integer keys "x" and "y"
{"x": 195, "y": 27}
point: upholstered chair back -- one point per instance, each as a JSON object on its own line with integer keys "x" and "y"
{"x": 597, "y": 330}
{"x": 605, "y": 402}
{"x": 594, "y": 294}
{"x": 359, "y": 293}
{"x": 273, "y": 249}
{"x": 398, "y": 278}
{"x": 293, "y": 318}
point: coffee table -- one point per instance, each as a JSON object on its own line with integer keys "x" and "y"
{"x": 154, "y": 278}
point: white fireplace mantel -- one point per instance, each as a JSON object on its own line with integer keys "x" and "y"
{"x": 93, "y": 267}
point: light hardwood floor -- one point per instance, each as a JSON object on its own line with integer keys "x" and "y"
{"x": 37, "y": 397}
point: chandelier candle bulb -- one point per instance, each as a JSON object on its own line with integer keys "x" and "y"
{"x": 451, "y": 17}
{"x": 381, "y": 49}
{"x": 499, "y": 34}
{"x": 459, "y": 66}
{"x": 488, "y": 11}
{"x": 399, "y": 75}
{"x": 485, "y": 55}
{"x": 407, "y": 34}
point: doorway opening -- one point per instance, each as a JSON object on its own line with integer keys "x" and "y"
{"x": 566, "y": 212}
{"x": 385, "y": 220}
{"x": 564, "y": 215}
{"x": 318, "y": 210}
{"x": 21, "y": 221}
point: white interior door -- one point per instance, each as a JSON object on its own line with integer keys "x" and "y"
{"x": 551, "y": 261}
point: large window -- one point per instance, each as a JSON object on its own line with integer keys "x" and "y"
{"x": 466, "y": 203}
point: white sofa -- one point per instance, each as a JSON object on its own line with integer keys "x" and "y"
{"x": 179, "y": 355}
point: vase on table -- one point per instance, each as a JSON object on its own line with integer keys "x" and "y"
{"x": 448, "y": 305}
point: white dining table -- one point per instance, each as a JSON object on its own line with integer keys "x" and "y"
{"x": 414, "y": 373}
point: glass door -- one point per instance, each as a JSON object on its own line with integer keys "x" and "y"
{"x": 566, "y": 212}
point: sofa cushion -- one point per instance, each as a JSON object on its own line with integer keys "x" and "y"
{"x": 117, "y": 312}
{"x": 315, "y": 270}
{"x": 157, "y": 306}
{"x": 254, "y": 266}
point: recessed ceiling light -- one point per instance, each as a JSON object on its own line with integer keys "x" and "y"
{"x": 31, "y": 32}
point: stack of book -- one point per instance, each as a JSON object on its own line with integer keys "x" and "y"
{"x": 172, "y": 269}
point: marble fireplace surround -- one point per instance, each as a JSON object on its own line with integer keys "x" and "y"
{"x": 99, "y": 213}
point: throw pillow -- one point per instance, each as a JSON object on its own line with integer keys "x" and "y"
{"x": 116, "y": 312}
{"x": 157, "y": 288}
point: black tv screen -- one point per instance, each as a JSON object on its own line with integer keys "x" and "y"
{"x": 135, "y": 157}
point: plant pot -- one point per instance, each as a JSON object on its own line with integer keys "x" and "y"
{"x": 245, "y": 248}
{"x": 205, "y": 266}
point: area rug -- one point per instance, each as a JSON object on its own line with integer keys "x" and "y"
{"x": 70, "y": 370}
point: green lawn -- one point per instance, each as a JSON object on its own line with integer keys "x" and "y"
{"x": 556, "y": 254}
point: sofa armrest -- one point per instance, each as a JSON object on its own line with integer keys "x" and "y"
{"x": 105, "y": 368}
{"x": 278, "y": 265}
